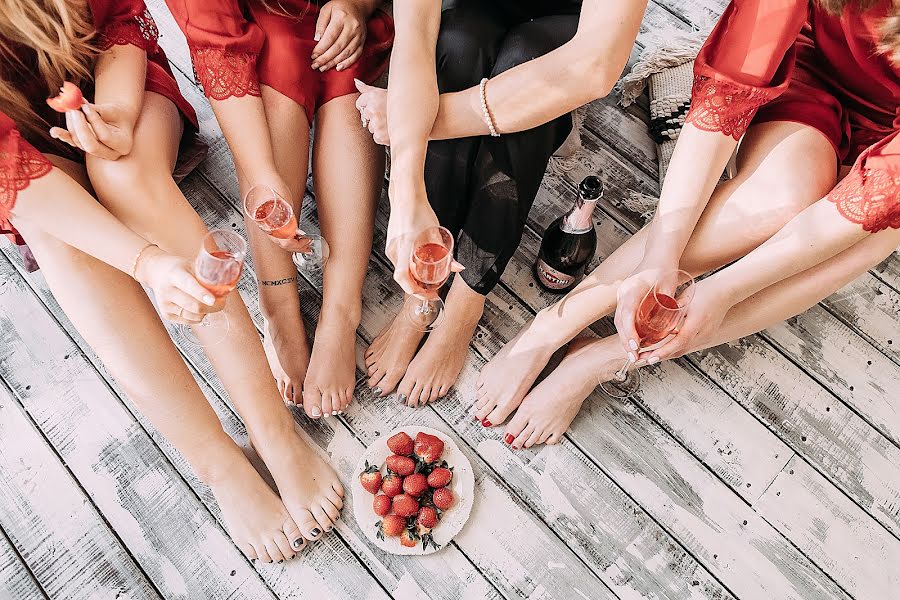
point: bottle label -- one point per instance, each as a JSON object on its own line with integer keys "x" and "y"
{"x": 553, "y": 279}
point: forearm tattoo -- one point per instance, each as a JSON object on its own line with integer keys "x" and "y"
{"x": 278, "y": 281}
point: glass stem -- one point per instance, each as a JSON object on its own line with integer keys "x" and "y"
{"x": 622, "y": 374}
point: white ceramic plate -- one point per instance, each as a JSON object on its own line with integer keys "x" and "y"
{"x": 453, "y": 519}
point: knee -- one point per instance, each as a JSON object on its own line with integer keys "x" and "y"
{"x": 465, "y": 50}
{"x": 115, "y": 181}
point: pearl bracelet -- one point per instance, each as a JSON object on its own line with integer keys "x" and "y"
{"x": 484, "y": 108}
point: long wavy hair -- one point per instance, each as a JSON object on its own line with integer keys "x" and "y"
{"x": 60, "y": 33}
{"x": 890, "y": 28}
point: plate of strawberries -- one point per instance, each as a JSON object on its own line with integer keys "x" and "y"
{"x": 414, "y": 491}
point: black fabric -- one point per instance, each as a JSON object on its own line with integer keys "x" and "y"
{"x": 481, "y": 188}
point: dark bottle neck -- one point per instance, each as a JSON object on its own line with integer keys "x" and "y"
{"x": 580, "y": 218}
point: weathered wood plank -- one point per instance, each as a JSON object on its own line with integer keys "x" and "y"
{"x": 16, "y": 581}
{"x": 71, "y": 553}
{"x": 833, "y": 531}
{"x": 177, "y": 543}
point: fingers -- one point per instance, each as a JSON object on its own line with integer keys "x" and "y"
{"x": 175, "y": 313}
{"x": 624, "y": 320}
{"x": 362, "y": 88}
{"x": 185, "y": 282}
{"x": 327, "y": 58}
{"x": 187, "y": 304}
{"x": 101, "y": 128}
{"x": 349, "y": 46}
{"x": 63, "y": 135}
{"x": 456, "y": 267}
{"x": 321, "y": 26}
{"x": 330, "y": 37}
{"x": 87, "y": 138}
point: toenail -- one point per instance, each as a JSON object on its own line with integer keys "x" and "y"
{"x": 297, "y": 543}
{"x": 402, "y": 398}
{"x": 376, "y": 391}
{"x": 327, "y": 415}
{"x": 315, "y": 411}
{"x": 315, "y": 532}
{"x": 334, "y": 412}
{"x": 508, "y": 439}
{"x": 515, "y": 447}
{"x": 280, "y": 561}
{"x": 652, "y": 360}
{"x": 486, "y": 423}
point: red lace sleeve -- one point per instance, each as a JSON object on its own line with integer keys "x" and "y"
{"x": 224, "y": 45}
{"x": 746, "y": 61}
{"x": 139, "y": 30}
{"x": 20, "y": 163}
{"x": 870, "y": 194}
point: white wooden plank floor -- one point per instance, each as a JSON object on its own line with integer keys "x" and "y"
{"x": 768, "y": 468}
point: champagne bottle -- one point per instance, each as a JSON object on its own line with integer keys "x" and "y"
{"x": 570, "y": 241}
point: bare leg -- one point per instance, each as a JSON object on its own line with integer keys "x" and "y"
{"x": 390, "y": 353}
{"x": 346, "y": 206}
{"x": 782, "y": 169}
{"x": 437, "y": 365}
{"x": 547, "y": 412}
{"x": 139, "y": 190}
{"x": 102, "y": 302}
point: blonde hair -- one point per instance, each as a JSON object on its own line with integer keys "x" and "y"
{"x": 890, "y": 27}
{"x": 60, "y": 33}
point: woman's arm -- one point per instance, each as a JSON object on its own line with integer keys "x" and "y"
{"x": 412, "y": 106}
{"x": 583, "y": 69}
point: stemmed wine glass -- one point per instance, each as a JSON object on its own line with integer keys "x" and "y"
{"x": 659, "y": 315}
{"x": 274, "y": 215}
{"x": 429, "y": 266}
{"x": 217, "y": 267}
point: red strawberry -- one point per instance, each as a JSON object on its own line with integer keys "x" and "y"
{"x": 392, "y": 485}
{"x": 427, "y": 517}
{"x": 409, "y": 538}
{"x": 391, "y": 526}
{"x": 405, "y": 505}
{"x": 69, "y": 98}
{"x": 443, "y": 498}
{"x": 400, "y": 444}
{"x": 428, "y": 447}
{"x": 401, "y": 465}
{"x": 370, "y": 478}
{"x": 440, "y": 477}
{"x": 415, "y": 485}
{"x": 382, "y": 505}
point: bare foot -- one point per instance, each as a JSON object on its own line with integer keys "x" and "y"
{"x": 257, "y": 520}
{"x": 437, "y": 365}
{"x": 328, "y": 388}
{"x": 549, "y": 409}
{"x": 287, "y": 351}
{"x": 391, "y": 352}
{"x": 506, "y": 379}
{"x": 309, "y": 487}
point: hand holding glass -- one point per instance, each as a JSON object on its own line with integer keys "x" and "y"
{"x": 217, "y": 267}
{"x": 274, "y": 215}
{"x": 429, "y": 266}
{"x": 659, "y": 315}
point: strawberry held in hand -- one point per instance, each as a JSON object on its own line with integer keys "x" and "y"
{"x": 428, "y": 448}
{"x": 370, "y": 479}
{"x": 69, "y": 98}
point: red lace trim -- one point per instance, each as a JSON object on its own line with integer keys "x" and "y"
{"x": 869, "y": 197}
{"x": 20, "y": 163}
{"x": 140, "y": 31}
{"x": 224, "y": 74}
{"x": 723, "y": 106}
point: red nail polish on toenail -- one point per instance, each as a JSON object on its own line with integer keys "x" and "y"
{"x": 486, "y": 423}
{"x": 515, "y": 447}
{"x": 508, "y": 439}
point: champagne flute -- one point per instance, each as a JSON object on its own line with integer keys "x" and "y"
{"x": 659, "y": 315}
{"x": 274, "y": 215}
{"x": 429, "y": 266}
{"x": 217, "y": 267}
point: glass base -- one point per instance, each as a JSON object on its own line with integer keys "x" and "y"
{"x": 425, "y": 314}
{"x": 214, "y": 329}
{"x": 313, "y": 262}
{"x": 624, "y": 388}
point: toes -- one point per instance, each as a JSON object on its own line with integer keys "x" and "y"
{"x": 338, "y": 488}
{"x": 312, "y": 403}
{"x": 292, "y": 394}
{"x": 322, "y": 518}
{"x": 445, "y": 389}
{"x": 424, "y": 394}
{"x": 515, "y": 427}
{"x": 375, "y": 376}
{"x": 554, "y": 438}
{"x": 331, "y": 510}
{"x": 284, "y": 546}
{"x": 335, "y": 499}
{"x": 274, "y": 551}
{"x": 296, "y": 539}
{"x": 544, "y": 437}
{"x": 336, "y": 403}
{"x": 533, "y": 438}
{"x": 500, "y": 413}
{"x": 248, "y": 550}
{"x": 435, "y": 394}
{"x": 262, "y": 553}
{"x": 327, "y": 409}
{"x": 309, "y": 526}
{"x": 519, "y": 440}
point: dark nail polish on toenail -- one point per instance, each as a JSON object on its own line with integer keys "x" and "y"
{"x": 402, "y": 398}
{"x": 508, "y": 439}
{"x": 376, "y": 391}
{"x": 315, "y": 532}
{"x": 280, "y": 561}
{"x": 297, "y": 543}
{"x": 486, "y": 423}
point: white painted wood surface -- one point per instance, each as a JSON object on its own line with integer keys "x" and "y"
{"x": 772, "y": 473}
